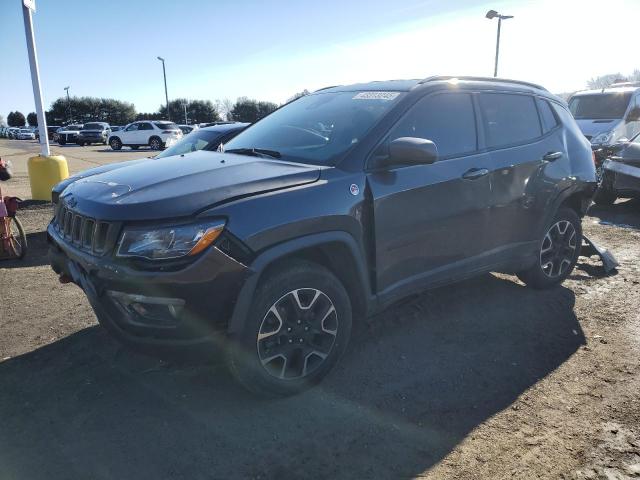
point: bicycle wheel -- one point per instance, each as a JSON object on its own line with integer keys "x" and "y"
{"x": 18, "y": 239}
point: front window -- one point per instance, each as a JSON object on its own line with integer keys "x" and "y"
{"x": 197, "y": 140}
{"x": 601, "y": 106}
{"x": 93, "y": 126}
{"x": 317, "y": 128}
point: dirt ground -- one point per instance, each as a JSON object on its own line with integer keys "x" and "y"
{"x": 482, "y": 380}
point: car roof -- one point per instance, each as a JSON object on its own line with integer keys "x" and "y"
{"x": 225, "y": 127}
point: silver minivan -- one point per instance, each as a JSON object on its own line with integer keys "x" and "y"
{"x": 608, "y": 115}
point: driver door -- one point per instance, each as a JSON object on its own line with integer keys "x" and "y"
{"x": 128, "y": 135}
{"x": 430, "y": 220}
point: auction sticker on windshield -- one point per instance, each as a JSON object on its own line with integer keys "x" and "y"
{"x": 376, "y": 95}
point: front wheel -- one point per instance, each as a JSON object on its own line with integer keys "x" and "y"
{"x": 17, "y": 238}
{"x": 558, "y": 251}
{"x": 297, "y": 329}
{"x": 115, "y": 143}
{"x": 605, "y": 194}
{"x": 62, "y": 141}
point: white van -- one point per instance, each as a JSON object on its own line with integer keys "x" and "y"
{"x": 609, "y": 115}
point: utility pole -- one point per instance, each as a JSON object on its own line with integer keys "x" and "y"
{"x": 166, "y": 95}
{"x": 491, "y": 14}
{"x": 185, "y": 113}
{"x": 68, "y": 104}
{"x": 29, "y": 6}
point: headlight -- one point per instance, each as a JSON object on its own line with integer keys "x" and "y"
{"x": 168, "y": 242}
{"x": 602, "y": 138}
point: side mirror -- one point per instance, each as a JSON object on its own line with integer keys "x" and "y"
{"x": 634, "y": 115}
{"x": 410, "y": 151}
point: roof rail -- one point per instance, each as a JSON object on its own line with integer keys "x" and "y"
{"x": 325, "y": 88}
{"x": 624, "y": 84}
{"x": 437, "y": 78}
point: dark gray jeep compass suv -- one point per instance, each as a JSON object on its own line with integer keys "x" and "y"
{"x": 329, "y": 209}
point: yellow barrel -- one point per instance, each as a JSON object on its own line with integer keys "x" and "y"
{"x": 44, "y": 173}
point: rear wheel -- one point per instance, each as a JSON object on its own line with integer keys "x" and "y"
{"x": 297, "y": 330}
{"x": 155, "y": 143}
{"x": 558, "y": 251}
{"x": 115, "y": 143}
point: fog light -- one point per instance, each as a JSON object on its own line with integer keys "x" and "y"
{"x": 155, "y": 311}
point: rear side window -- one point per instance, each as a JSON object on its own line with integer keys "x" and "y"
{"x": 448, "y": 120}
{"x": 145, "y": 126}
{"x": 509, "y": 119}
{"x": 549, "y": 120}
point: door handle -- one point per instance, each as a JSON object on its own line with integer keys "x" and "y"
{"x": 552, "y": 156}
{"x": 475, "y": 173}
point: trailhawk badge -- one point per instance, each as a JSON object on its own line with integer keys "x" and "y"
{"x": 354, "y": 189}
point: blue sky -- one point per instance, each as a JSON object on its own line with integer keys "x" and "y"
{"x": 271, "y": 49}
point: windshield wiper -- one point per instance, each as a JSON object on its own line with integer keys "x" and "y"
{"x": 255, "y": 152}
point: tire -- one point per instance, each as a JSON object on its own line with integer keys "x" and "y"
{"x": 155, "y": 143}
{"x": 558, "y": 251}
{"x": 62, "y": 141}
{"x": 20, "y": 240}
{"x": 81, "y": 144}
{"x": 115, "y": 143}
{"x": 605, "y": 194}
{"x": 303, "y": 314}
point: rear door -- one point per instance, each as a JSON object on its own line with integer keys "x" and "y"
{"x": 145, "y": 131}
{"x": 520, "y": 146}
{"x": 430, "y": 219}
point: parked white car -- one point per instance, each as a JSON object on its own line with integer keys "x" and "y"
{"x": 25, "y": 134}
{"x": 156, "y": 134}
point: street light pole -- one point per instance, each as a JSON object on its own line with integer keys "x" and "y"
{"x": 28, "y": 7}
{"x": 491, "y": 14}
{"x": 185, "y": 113}
{"x": 166, "y": 95}
{"x": 68, "y": 104}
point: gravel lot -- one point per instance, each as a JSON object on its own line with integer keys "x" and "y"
{"x": 486, "y": 379}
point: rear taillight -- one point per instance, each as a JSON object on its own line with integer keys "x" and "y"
{"x": 593, "y": 156}
{"x": 169, "y": 131}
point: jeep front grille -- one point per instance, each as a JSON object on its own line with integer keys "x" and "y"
{"x": 85, "y": 233}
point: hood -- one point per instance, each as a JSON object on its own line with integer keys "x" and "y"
{"x": 57, "y": 189}
{"x": 591, "y": 128}
{"x": 69, "y": 131}
{"x": 92, "y": 131}
{"x": 177, "y": 186}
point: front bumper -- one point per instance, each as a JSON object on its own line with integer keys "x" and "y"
{"x": 181, "y": 311}
{"x": 92, "y": 139}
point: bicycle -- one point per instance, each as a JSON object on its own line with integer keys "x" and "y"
{"x": 13, "y": 241}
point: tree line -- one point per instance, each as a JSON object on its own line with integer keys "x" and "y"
{"x": 64, "y": 111}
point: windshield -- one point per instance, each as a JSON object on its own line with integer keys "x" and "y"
{"x": 317, "y": 128}
{"x": 196, "y": 140}
{"x": 93, "y": 126}
{"x": 599, "y": 106}
{"x": 166, "y": 125}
